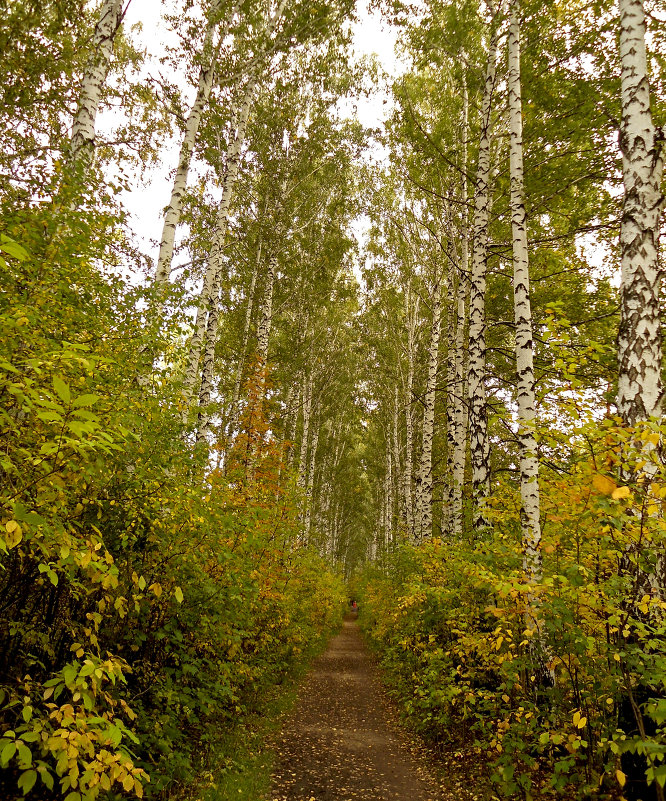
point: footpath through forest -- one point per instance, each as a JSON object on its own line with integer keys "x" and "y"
{"x": 342, "y": 742}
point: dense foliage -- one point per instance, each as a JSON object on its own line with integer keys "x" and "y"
{"x": 333, "y": 361}
{"x": 142, "y": 609}
{"x": 451, "y": 623}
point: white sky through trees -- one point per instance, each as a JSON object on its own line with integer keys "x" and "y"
{"x": 147, "y": 29}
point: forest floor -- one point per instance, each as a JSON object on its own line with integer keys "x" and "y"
{"x": 343, "y": 740}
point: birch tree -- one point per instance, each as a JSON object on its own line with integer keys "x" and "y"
{"x": 424, "y": 479}
{"x": 640, "y": 391}
{"x": 82, "y": 141}
{"x": 529, "y": 464}
{"x": 460, "y": 360}
{"x": 478, "y": 412}
{"x": 215, "y": 32}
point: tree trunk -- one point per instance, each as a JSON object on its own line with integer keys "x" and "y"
{"x": 307, "y": 409}
{"x": 424, "y": 478}
{"x": 389, "y": 493}
{"x": 478, "y": 413}
{"x": 205, "y": 331}
{"x": 452, "y": 393}
{"x": 639, "y": 339}
{"x": 209, "y": 54}
{"x": 460, "y": 427}
{"x": 82, "y": 141}
{"x": 529, "y": 463}
{"x": 411, "y": 313}
{"x": 235, "y": 399}
{"x": 266, "y": 314}
{"x": 309, "y": 492}
{"x": 397, "y": 478}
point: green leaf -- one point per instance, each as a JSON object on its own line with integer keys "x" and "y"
{"x": 85, "y": 400}
{"x": 7, "y": 752}
{"x": 62, "y": 389}
{"x": 27, "y": 780}
{"x": 24, "y": 754}
{"x": 12, "y": 248}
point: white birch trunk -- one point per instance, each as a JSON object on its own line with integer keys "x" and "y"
{"x": 209, "y": 54}
{"x": 460, "y": 426}
{"x": 398, "y": 478}
{"x": 311, "y": 479}
{"x": 307, "y": 409}
{"x": 205, "y": 333}
{"x": 478, "y": 413}
{"x": 205, "y": 330}
{"x": 452, "y": 392}
{"x": 82, "y": 141}
{"x": 266, "y": 314}
{"x": 235, "y": 399}
{"x": 639, "y": 340}
{"x": 529, "y": 464}
{"x": 411, "y": 314}
{"x": 424, "y": 477}
{"x": 389, "y": 493}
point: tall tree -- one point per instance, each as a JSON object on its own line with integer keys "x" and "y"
{"x": 640, "y": 392}
{"x": 478, "y": 410}
{"x": 530, "y": 513}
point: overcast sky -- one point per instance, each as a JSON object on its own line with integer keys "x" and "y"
{"x": 147, "y": 198}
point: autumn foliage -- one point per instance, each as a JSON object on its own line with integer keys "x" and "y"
{"x": 146, "y": 602}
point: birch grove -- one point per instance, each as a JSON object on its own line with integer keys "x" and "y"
{"x": 425, "y": 372}
{"x": 215, "y": 32}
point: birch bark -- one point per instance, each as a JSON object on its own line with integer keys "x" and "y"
{"x": 529, "y": 463}
{"x": 424, "y": 477}
{"x": 640, "y": 391}
{"x": 452, "y": 392}
{"x": 307, "y": 409}
{"x": 235, "y": 399}
{"x": 389, "y": 494}
{"x": 478, "y": 413}
{"x": 82, "y": 141}
{"x": 266, "y": 314}
{"x": 411, "y": 312}
{"x": 205, "y": 333}
{"x": 460, "y": 426}
{"x": 310, "y": 485}
{"x": 398, "y": 478}
{"x": 209, "y": 53}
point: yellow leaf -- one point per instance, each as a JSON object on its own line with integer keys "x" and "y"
{"x": 156, "y": 588}
{"x": 621, "y": 778}
{"x": 576, "y": 718}
{"x": 582, "y": 722}
{"x": 14, "y": 534}
{"x": 621, "y": 492}
{"x": 603, "y": 484}
{"x": 178, "y": 595}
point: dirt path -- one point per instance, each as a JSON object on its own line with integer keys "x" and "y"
{"x": 342, "y": 743}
